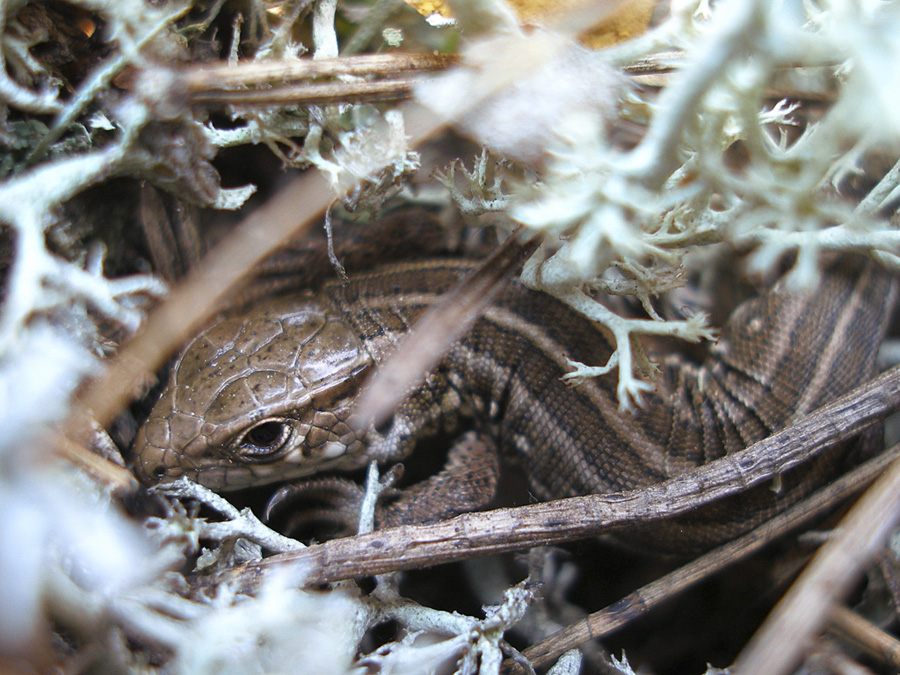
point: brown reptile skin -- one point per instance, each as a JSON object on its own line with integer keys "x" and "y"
{"x": 297, "y": 362}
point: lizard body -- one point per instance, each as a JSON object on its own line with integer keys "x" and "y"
{"x": 268, "y": 396}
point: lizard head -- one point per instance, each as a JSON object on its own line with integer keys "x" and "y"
{"x": 258, "y": 399}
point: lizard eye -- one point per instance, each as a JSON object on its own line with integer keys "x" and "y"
{"x": 265, "y": 441}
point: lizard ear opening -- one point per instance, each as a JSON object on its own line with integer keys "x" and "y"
{"x": 265, "y": 441}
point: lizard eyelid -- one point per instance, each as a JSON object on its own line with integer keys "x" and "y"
{"x": 266, "y": 440}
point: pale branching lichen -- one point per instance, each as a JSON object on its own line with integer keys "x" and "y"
{"x": 381, "y": 142}
{"x": 374, "y": 488}
{"x": 241, "y": 524}
{"x": 621, "y": 665}
{"x": 605, "y": 207}
{"x": 483, "y": 186}
{"x": 440, "y": 639}
{"x": 568, "y": 664}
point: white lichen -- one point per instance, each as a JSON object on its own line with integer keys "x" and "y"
{"x": 601, "y": 207}
{"x": 484, "y": 187}
{"x": 281, "y": 629}
{"x": 237, "y": 524}
{"x": 438, "y": 639}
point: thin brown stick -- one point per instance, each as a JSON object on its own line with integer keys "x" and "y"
{"x": 641, "y": 601}
{"x": 223, "y": 76}
{"x": 826, "y": 657}
{"x": 310, "y": 93}
{"x": 856, "y": 630}
{"x": 193, "y": 301}
{"x": 779, "y": 644}
{"x": 438, "y": 328}
{"x": 108, "y": 473}
{"x": 504, "y": 530}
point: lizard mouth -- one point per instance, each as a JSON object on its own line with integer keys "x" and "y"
{"x": 150, "y": 466}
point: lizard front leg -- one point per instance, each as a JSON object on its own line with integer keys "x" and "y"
{"x": 467, "y": 482}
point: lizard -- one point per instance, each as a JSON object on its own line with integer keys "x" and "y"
{"x": 268, "y": 395}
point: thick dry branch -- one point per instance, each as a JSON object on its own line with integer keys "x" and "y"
{"x": 511, "y": 529}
